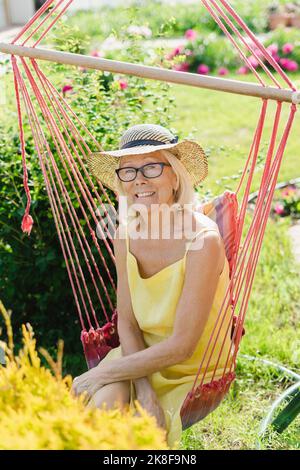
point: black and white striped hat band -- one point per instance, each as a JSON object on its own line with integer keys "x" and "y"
{"x": 136, "y": 143}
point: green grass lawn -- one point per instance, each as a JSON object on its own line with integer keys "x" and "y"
{"x": 225, "y": 123}
{"x": 272, "y": 332}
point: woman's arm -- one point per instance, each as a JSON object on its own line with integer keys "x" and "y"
{"x": 203, "y": 268}
{"x": 130, "y": 335}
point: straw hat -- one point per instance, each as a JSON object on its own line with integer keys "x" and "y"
{"x": 147, "y": 138}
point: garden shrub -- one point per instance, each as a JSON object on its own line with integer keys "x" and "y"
{"x": 38, "y": 412}
{"x": 32, "y": 269}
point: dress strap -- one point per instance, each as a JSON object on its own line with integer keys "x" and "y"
{"x": 202, "y": 230}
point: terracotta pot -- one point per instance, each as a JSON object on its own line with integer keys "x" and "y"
{"x": 295, "y": 20}
{"x": 277, "y": 19}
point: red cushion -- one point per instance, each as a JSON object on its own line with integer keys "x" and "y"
{"x": 223, "y": 210}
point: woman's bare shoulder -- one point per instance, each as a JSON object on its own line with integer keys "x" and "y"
{"x": 204, "y": 222}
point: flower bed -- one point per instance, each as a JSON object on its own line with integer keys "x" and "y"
{"x": 213, "y": 53}
{"x": 287, "y": 202}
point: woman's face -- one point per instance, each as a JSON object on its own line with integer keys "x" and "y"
{"x": 161, "y": 186}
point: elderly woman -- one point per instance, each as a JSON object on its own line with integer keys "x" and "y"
{"x": 169, "y": 289}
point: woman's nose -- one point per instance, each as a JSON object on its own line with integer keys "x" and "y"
{"x": 140, "y": 176}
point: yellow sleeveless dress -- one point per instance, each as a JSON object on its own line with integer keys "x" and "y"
{"x": 154, "y": 300}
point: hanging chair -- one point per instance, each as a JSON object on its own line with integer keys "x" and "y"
{"x": 60, "y": 147}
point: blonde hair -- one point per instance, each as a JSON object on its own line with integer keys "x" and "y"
{"x": 185, "y": 195}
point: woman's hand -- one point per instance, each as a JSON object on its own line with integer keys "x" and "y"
{"x": 149, "y": 401}
{"x": 89, "y": 382}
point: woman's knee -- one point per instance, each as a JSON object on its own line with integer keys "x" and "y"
{"x": 116, "y": 394}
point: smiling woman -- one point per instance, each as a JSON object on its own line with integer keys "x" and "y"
{"x": 171, "y": 281}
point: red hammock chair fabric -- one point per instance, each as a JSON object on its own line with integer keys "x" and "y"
{"x": 84, "y": 253}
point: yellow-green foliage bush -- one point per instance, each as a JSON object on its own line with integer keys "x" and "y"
{"x": 37, "y": 410}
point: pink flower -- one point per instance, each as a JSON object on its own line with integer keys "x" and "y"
{"x": 284, "y": 62}
{"x": 253, "y": 61}
{"x": 190, "y": 34}
{"x": 279, "y": 209}
{"x": 242, "y": 70}
{"x": 202, "y": 69}
{"x": 66, "y": 89}
{"x": 123, "y": 84}
{"x": 287, "y": 48}
{"x": 288, "y": 64}
{"x": 183, "y": 67}
{"x": 276, "y": 58}
{"x": 292, "y": 66}
{"x": 178, "y": 50}
{"x": 96, "y": 53}
{"x": 223, "y": 71}
{"x": 273, "y": 49}
{"x": 259, "y": 53}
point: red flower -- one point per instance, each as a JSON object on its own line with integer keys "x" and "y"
{"x": 96, "y": 53}
{"x": 242, "y": 70}
{"x": 283, "y": 62}
{"x": 292, "y": 66}
{"x": 123, "y": 84}
{"x": 276, "y": 58}
{"x": 183, "y": 67}
{"x": 202, "y": 69}
{"x": 176, "y": 51}
{"x": 253, "y": 61}
{"x": 273, "y": 49}
{"x": 190, "y": 34}
{"x": 279, "y": 209}
{"x": 66, "y": 89}
{"x": 287, "y": 48}
{"x": 223, "y": 71}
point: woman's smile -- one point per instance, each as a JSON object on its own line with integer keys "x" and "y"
{"x": 144, "y": 195}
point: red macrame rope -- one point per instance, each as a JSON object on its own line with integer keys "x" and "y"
{"x": 27, "y": 221}
{"x": 66, "y": 132}
{"x": 255, "y": 253}
{"x": 34, "y": 124}
{"x": 230, "y": 37}
{"x": 52, "y": 128}
{"x": 86, "y": 218}
{"x": 40, "y": 144}
{"x": 73, "y": 127}
{"x": 258, "y": 43}
{"x": 49, "y": 14}
{"x": 52, "y": 24}
{"x": 231, "y": 283}
{"x": 68, "y": 140}
{"x": 75, "y": 134}
{"x": 248, "y": 46}
{"x": 253, "y": 257}
{"x": 35, "y": 17}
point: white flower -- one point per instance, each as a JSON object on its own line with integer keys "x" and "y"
{"x": 142, "y": 30}
{"x": 145, "y": 31}
{"x": 133, "y": 29}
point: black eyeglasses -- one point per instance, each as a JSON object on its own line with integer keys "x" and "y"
{"x": 150, "y": 170}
